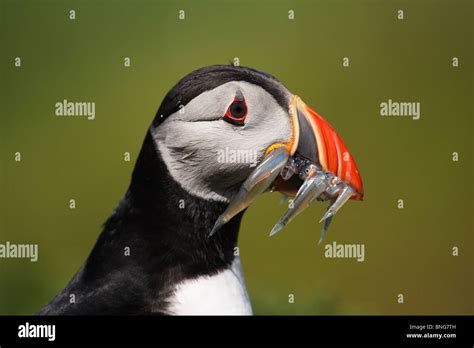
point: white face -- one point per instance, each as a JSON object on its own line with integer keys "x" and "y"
{"x": 210, "y": 157}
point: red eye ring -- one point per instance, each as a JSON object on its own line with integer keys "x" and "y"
{"x": 237, "y": 111}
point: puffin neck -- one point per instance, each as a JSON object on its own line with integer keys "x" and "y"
{"x": 166, "y": 219}
{"x": 166, "y": 246}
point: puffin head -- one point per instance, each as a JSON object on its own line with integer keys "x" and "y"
{"x": 230, "y": 133}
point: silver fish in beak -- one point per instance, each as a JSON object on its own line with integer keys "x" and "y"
{"x": 258, "y": 182}
{"x": 314, "y": 165}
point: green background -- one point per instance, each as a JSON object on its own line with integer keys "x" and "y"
{"x": 408, "y": 251}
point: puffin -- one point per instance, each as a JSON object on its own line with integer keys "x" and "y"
{"x": 222, "y": 136}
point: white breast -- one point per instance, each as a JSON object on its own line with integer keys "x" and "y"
{"x": 224, "y": 293}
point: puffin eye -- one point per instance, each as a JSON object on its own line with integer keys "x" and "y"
{"x": 237, "y": 110}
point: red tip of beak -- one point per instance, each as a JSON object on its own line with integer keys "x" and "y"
{"x": 334, "y": 155}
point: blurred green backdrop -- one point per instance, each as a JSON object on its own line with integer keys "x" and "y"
{"x": 407, "y": 251}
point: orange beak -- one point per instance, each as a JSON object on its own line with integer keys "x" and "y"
{"x": 314, "y": 139}
{"x": 332, "y": 154}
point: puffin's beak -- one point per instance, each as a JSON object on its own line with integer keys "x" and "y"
{"x": 314, "y": 164}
